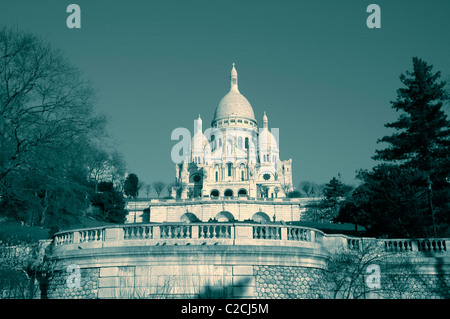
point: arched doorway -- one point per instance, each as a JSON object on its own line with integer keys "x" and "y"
{"x": 261, "y": 217}
{"x": 214, "y": 193}
{"x": 224, "y": 217}
{"x": 228, "y": 193}
{"x": 242, "y": 192}
{"x": 189, "y": 218}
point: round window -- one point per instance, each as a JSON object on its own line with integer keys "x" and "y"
{"x": 197, "y": 178}
{"x": 266, "y": 177}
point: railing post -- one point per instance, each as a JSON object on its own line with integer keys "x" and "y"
{"x": 156, "y": 232}
{"x": 243, "y": 234}
{"x": 194, "y": 231}
{"x": 76, "y": 237}
{"x": 284, "y": 233}
{"x": 112, "y": 234}
{"x": 414, "y": 245}
{"x": 313, "y": 236}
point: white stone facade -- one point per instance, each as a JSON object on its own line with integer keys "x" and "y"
{"x": 206, "y": 209}
{"x": 230, "y": 172}
{"x": 234, "y": 157}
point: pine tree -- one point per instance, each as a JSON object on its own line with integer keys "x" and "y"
{"x": 422, "y": 139}
{"x": 421, "y": 143}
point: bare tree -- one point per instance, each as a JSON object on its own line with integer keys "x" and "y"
{"x": 148, "y": 189}
{"x": 46, "y": 120}
{"x": 158, "y": 187}
{"x": 276, "y": 190}
{"x": 366, "y": 270}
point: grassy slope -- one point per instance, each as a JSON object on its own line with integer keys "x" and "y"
{"x": 14, "y": 230}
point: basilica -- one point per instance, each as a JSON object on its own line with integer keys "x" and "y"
{"x": 236, "y": 157}
{"x": 231, "y": 171}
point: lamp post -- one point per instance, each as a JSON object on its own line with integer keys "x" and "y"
{"x": 430, "y": 183}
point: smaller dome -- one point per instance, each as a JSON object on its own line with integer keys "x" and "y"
{"x": 199, "y": 144}
{"x": 266, "y": 140}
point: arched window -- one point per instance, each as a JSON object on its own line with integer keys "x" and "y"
{"x": 217, "y": 176}
{"x": 214, "y": 193}
{"x": 242, "y": 192}
{"x": 246, "y": 143}
{"x": 189, "y": 218}
{"x": 213, "y": 143}
{"x": 228, "y": 192}
{"x": 224, "y": 217}
{"x": 242, "y": 175}
{"x": 229, "y": 166}
{"x": 261, "y": 217}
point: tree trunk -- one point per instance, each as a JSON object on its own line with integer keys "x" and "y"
{"x": 44, "y": 210}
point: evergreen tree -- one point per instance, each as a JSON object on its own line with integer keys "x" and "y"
{"x": 110, "y": 203}
{"x": 131, "y": 186}
{"x": 335, "y": 193}
{"x": 423, "y": 131}
{"x": 409, "y": 193}
{"x": 391, "y": 202}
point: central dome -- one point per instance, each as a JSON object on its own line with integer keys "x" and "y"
{"x": 234, "y": 104}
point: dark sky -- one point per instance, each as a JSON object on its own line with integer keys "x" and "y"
{"x": 323, "y": 77}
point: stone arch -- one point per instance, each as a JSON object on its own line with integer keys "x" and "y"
{"x": 224, "y": 216}
{"x": 189, "y": 217}
{"x": 214, "y": 193}
{"x": 228, "y": 192}
{"x": 242, "y": 192}
{"x": 261, "y": 217}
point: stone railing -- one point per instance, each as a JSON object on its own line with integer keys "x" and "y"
{"x": 431, "y": 245}
{"x": 187, "y": 234}
{"x": 215, "y": 198}
{"x": 227, "y": 233}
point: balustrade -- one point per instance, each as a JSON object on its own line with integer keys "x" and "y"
{"x": 398, "y": 245}
{"x": 300, "y": 234}
{"x": 138, "y": 232}
{"x": 63, "y": 239}
{"x": 212, "y": 231}
{"x": 432, "y": 245}
{"x": 241, "y": 232}
{"x": 90, "y": 235}
{"x": 353, "y": 244}
{"x": 266, "y": 232}
{"x": 175, "y": 231}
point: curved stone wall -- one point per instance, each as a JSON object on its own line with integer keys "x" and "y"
{"x": 228, "y": 260}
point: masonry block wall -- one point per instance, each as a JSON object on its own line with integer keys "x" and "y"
{"x": 222, "y": 282}
{"x": 59, "y": 288}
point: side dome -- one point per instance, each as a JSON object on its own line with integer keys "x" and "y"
{"x": 266, "y": 141}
